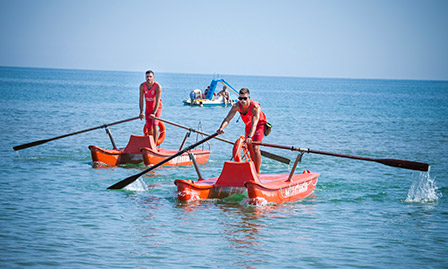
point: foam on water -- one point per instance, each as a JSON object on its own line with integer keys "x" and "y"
{"x": 138, "y": 185}
{"x": 259, "y": 201}
{"x": 423, "y": 189}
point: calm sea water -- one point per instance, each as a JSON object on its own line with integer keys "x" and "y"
{"x": 55, "y": 210}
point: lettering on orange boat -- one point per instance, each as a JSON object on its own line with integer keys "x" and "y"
{"x": 180, "y": 159}
{"x": 294, "y": 190}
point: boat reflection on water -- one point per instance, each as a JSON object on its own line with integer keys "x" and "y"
{"x": 242, "y": 225}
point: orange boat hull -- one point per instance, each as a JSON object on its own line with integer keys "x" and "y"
{"x": 113, "y": 157}
{"x": 143, "y": 149}
{"x": 241, "y": 177}
{"x": 281, "y": 190}
{"x": 151, "y": 157}
{"x": 188, "y": 190}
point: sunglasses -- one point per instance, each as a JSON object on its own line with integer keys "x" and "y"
{"x": 242, "y": 98}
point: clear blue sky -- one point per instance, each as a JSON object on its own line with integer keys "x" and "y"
{"x": 396, "y": 39}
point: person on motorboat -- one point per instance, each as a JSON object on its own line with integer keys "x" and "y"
{"x": 151, "y": 92}
{"x": 253, "y": 118}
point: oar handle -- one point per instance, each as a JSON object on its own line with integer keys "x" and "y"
{"x": 131, "y": 179}
{"x": 39, "y": 142}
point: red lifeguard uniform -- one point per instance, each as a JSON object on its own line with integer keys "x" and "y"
{"x": 150, "y": 100}
{"x": 247, "y": 119}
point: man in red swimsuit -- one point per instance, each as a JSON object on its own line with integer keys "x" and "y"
{"x": 253, "y": 118}
{"x": 151, "y": 91}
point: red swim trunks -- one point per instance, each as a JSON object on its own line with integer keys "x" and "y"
{"x": 259, "y": 132}
{"x": 150, "y": 121}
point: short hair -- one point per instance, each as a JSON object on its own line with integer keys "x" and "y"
{"x": 244, "y": 91}
{"x": 149, "y": 72}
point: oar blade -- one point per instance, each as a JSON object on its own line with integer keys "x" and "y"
{"x": 31, "y": 144}
{"x": 275, "y": 157}
{"x": 405, "y": 164}
{"x": 124, "y": 182}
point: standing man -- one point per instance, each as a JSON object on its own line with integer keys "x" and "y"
{"x": 253, "y": 118}
{"x": 151, "y": 91}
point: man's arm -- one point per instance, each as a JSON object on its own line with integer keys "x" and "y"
{"x": 254, "y": 123}
{"x": 141, "y": 101}
{"x": 228, "y": 118}
{"x": 158, "y": 94}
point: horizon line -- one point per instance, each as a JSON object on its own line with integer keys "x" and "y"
{"x": 214, "y": 74}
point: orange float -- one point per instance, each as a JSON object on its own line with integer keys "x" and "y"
{"x": 162, "y": 133}
{"x": 240, "y": 177}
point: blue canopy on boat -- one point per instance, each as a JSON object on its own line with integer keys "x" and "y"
{"x": 213, "y": 85}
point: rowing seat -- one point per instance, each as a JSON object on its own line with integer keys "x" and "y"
{"x": 136, "y": 142}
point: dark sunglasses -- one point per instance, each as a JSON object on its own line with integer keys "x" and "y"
{"x": 242, "y": 98}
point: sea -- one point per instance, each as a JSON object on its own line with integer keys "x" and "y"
{"x": 56, "y": 210}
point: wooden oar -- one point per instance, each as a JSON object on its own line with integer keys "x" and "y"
{"x": 264, "y": 153}
{"x": 131, "y": 179}
{"x": 39, "y": 142}
{"x": 390, "y": 162}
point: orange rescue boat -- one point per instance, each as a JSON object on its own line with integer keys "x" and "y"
{"x": 143, "y": 148}
{"x": 240, "y": 177}
{"x": 129, "y": 155}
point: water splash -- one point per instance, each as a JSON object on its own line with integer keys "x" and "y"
{"x": 138, "y": 185}
{"x": 255, "y": 202}
{"x": 423, "y": 189}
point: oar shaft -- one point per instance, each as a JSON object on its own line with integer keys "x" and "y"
{"x": 390, "y": 162}
{"x": 193, "y": 130}
{"x": 131, "y": 179}
{"x": 280, "y": 146}
{"x": 342, "y": 155}
{"x": 39, "y": 142}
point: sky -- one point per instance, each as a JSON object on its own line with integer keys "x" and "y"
{"x": 390, "y": 39}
